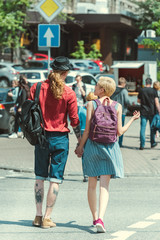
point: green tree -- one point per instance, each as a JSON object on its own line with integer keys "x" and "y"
{"x": 12, "y": 22}
{"x": 150, "y": 43}
{"x": 80, "y": 51}
{"x": 149, "y": 12}
{"x": 94, "y": 53}
{"x": 154, "y": 44}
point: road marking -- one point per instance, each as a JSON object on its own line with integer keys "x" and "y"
{"x": 141, "y": 225}
{"x": 2, "y": 177}
{"x": 124, "y": 235}
{"x": 121, "y": 235}
{"x": 155, "y": 216}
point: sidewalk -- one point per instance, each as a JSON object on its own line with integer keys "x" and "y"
{"x": 18, "y": 154}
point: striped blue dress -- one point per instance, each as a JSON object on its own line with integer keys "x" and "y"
{"x": 102, "y": 159}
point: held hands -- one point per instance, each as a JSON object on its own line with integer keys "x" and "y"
{"x": 136, "y": 115}
{"x": 78, "y": 151}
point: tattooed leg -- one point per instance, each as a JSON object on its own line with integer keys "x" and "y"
{"x": 51, "y": 198}
{"x": 39, "y": 195}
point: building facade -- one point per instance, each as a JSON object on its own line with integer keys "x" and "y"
{"x": 111, "y": 27}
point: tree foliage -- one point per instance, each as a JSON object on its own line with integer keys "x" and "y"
{"x": 149, "y": 12}
{"x": 94, "y": 53}
{"x": 152, "y": 43}
{"x": 80, "y": 51}
{"x": 12, "y": 16}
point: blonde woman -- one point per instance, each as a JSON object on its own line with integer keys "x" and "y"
{"x": 156, "y": 86}
{"x": 57, "y": 101}
{"x": 100, "y": 159}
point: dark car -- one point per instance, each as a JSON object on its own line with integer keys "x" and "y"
{"x": 34, "y": 64}
{"x": 6, "y": 112}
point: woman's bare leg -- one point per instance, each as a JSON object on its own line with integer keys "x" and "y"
{"x": 92, "y": 198}
{"x": 104, "y": 194}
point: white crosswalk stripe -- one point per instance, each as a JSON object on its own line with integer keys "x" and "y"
{"x": 121, "y": 235}
{"x": 155, "y": 216}
{"x": 141, "y": 224}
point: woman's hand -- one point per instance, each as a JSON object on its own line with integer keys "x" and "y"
{"x": 136, "y": 115}
{"x": 79, "y": 151}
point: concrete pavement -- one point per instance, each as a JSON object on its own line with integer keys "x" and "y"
{"x": 18, "y": 154}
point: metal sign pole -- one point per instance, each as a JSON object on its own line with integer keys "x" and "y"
{"x": 49, "y": 55}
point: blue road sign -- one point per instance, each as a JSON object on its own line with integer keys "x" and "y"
{"x": 48, "y": 35}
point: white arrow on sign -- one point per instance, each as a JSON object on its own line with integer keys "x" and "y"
{"x": 48, "y": 35}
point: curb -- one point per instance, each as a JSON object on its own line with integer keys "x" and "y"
{"x": 126, "y": 175}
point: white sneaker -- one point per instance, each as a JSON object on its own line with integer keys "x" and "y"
{"x": 13, "y": 135}
{"x": 20, "y": 135}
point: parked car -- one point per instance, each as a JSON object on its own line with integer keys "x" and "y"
{"x": 8, "y": 73}
{"x": 92, "y": 67}
{"x": 87, "y": 78}
{"x": 39, "y": 57}
{"x": 85, "y": 65}
{"x": 78, "y": 64}
{"x": 34, "y": 64}
{"x": 7, "y": 119}
{"x": 104, "y": 75}
{"x": 103, "y": 67}
{"x": 5, "y": 54}
{"x": 34, "y": 76}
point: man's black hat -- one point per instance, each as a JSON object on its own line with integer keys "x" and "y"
{"x": 61, "y": 63}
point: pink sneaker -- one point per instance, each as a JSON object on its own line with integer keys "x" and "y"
{"x": 100, "y": 226}
{"x": 94, "y": 223}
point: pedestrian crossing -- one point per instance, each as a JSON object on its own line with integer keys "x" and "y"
{"x": 124, "y": 235}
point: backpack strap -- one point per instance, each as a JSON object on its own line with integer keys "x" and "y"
{"x": 97, "y": 101}
{"x": 114, "y": 103}
{"x": 38, "y": 88}
{"x": 108, "y": 101}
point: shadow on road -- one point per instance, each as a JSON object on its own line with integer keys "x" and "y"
{"x": 71, "y": 224}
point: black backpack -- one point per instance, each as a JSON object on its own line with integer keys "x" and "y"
{"x": 31, "y": 120}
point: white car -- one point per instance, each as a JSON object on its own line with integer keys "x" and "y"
{"x": 34, "y": 76}
{"x": 87, "y": 78}
{"x": 104, "y": 75}
{"x": 85, "y": 65}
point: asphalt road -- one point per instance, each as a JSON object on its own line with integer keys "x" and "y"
{"x": 133, "y": 212}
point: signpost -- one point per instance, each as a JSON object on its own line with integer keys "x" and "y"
{"x": 49, "y": 34}
{"x": 49, "y": 9}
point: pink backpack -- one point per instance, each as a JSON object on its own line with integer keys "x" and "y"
{"x": 103, "y": 127}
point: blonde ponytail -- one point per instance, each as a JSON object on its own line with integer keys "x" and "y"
{"x": 56, "y": 84}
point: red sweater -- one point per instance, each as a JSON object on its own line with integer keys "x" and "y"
{"x": 55, "y": 111}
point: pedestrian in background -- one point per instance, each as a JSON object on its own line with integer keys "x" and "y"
{"x": 80, "y": 90}
{"x": 121, "y": 96}
{"x": 82, "y": 112}
{"x": 156, "y": 86}
{"x": 148, "y": 98}
{"x": 56, "y": 101}
{"x": 13, "y": 93}
{"x": 23, "y": 94}
{"x": 102, "y": 159}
